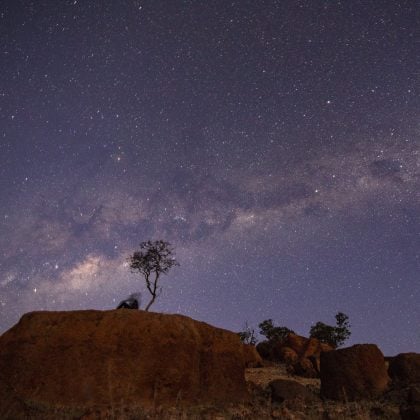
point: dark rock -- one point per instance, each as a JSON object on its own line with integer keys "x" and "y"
{"x": 306, "y": 368}
{"x": 285, "y": 390}
{"x": 353, "y": 373}
{"x": 264, "y": 349}
{"x": 285, "y": 354}
{"x": 404, "y": 369}
{"x": 316, "y": 363}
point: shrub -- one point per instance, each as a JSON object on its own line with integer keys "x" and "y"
{"x": 335, "y": 336}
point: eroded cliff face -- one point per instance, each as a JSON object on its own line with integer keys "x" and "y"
{"x": 83, "y": 359}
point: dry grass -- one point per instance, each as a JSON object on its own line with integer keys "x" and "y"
{"x": 263, "y": 376}
{"x": 260, "y": 407}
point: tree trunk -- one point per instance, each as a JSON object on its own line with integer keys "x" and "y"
{"x": 150, "y": 303}
{"x": 152, "y": 292}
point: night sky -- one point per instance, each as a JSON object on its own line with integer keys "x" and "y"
{"x": 275, "y": 144}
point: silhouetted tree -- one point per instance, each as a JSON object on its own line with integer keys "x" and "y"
{"x": 272, "y": 333}
{"x": 335, "y": 336}
{"x": 152, "y": 260}
{"x": 247, "y": 336}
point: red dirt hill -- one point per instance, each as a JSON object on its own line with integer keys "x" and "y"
{"x": 52, "y": 361}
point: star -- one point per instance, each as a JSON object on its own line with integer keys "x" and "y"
{"x": 256, "y": 140}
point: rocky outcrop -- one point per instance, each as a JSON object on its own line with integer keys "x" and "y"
{"x": 353, "y": 373}
{"x": 306, "y": 347}
{"x": 301, "y": 354}
{"x": 52, "y": 361}
{"x": 308, "y": 351}
{"x": 404, "y": 369}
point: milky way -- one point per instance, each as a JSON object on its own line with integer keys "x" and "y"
{"x": 275, "y": 144}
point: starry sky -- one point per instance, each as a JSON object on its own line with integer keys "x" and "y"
{"x": 275, "y": 144}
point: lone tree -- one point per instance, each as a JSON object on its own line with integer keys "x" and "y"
{"x": 152, "y": 260}
{"x": 335, "y": 336}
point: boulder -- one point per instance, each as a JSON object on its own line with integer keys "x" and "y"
{"x": 251, "y": 357}
{"x": 81, "y": 360}
{"x": 285, "y": 354}
{"x": 305, "y": 368}
{"x": 296, "y": 343}
{"x": 286, "y": 390}
{"x": 306, "y": 347}
{"x": 353, "y": 373}
{"x": 303, "y": 354}
{"x": 404, "y": 369}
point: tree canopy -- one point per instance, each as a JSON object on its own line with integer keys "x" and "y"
{"x": 335, "y": 336}
{"x": 273, "y": 333}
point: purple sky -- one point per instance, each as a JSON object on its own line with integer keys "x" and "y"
{"x": 275, "y": 144}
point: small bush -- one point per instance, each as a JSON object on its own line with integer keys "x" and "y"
{"x": 335, "y": 336}
{"x": 272, "y": 333}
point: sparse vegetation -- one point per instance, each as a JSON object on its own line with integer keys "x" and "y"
{"x": 152, "y": 260}
{"x": 247, "y": 336}
{"x": 272, "y": 333}
{"x": 335, "y": 336}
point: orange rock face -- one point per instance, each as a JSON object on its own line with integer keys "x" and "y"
{"x": 286, "y": 354}
{"x": 301, "y": 353}
{"x": 306, "y": 347}
{"x": 353, "y": 373}
{"x": 119, "y": 357}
